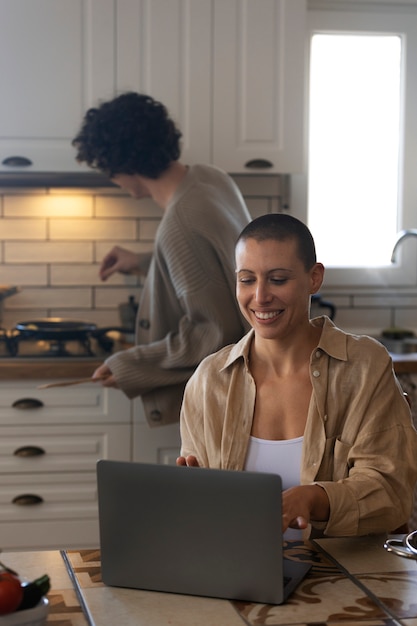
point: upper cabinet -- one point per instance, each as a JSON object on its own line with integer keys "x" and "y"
{"x": 56, "y": 59}
{"x": 164, "y": 50}
{"x": 231, "y": 73}
{"x": 258, "y": 85}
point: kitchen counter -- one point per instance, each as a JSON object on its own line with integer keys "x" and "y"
{"x": 20, "y": 368}
{"x": 40, "y": 368}
{"x": 352, "y": 581}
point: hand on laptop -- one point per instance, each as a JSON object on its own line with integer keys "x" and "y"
{"x": 190, "y": 460}
{"x": 302, "y": 504}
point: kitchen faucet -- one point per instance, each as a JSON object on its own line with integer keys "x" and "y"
{"x": 403, "y": 234}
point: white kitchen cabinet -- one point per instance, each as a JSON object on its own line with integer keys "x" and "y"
{"x": 164, "y": 50}
{"x": 56, "y": 59}
{"x": 50, "y": 442}
{"x": 231, "y": 73}
{"x": 258, "y": 85}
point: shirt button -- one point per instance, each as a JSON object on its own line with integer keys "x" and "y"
{"x": 316, "y": 373}
{"x": 325, "y": 418}
{"x": 145, "y": 324}
{"x": 156, "y": 415}
{"x": 318, "y": 354}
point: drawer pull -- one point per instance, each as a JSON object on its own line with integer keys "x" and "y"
{"x": 27, "y": 403}
{"x": 26, "y": 451}
{"x": 17, "y": 161}
{"x": 27, "y": 499}
{"x": 259, "y": 164}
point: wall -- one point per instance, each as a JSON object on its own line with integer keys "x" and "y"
{"x": 52, "y": 242}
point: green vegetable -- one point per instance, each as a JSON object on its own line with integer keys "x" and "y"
{"x": 33, "y": 592}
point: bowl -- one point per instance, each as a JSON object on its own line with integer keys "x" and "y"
{"x": 29, "y": 617}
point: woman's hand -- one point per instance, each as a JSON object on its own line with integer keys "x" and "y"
{"x": 302, "y": 504}
{"x": 190, "y": 461}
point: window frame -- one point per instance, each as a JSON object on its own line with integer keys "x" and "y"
{"x": 375, "y": 20}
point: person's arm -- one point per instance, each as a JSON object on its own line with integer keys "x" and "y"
{"x": 376, "y": 492}
{"x": 303, "y": 504}
{"x": 124, "y": 261}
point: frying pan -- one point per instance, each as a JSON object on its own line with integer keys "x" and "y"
{"x": 62, "y": 329}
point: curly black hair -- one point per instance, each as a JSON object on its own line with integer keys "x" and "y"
{"x": 131, "y": 134}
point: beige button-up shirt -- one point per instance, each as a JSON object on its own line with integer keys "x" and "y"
{"x": 359, "y": 442}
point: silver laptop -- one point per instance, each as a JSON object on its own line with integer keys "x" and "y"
{"x": 195, "y": 531}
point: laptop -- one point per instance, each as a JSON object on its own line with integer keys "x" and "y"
{"x": 195, "y": 531}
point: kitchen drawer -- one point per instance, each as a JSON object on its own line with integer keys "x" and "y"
{"x": 49, "y": 535}
{"x": 62, "y": 448}
{"x": 66, "y": 496}
{"x": 67, "y": 517}
{"x": 23, "y": 403}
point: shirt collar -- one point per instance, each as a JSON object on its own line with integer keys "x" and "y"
{"x": 333, "y": 341}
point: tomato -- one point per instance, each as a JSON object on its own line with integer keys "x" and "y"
{"x": 11, "y": 593}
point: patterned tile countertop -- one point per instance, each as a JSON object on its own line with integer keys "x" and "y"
{"x": 352, "y": 581}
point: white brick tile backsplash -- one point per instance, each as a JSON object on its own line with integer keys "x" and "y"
{"x": 74, "y": 274}
{"x": 26, "y": 274}
{"x": 48, "y": 205}
{"x": 21, "y": 229}
{"x": 95, "y": 229}
{"x": 52, "y": 243}
{"x": 58, "y": 297}
{"x": 48, "y": 252}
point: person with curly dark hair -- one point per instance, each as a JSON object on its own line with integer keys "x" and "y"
{"x": 187, "y": 308}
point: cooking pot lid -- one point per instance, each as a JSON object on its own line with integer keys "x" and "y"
{"x": 55, "y": 324}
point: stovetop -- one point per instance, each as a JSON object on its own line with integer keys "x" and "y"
{"x": 14, "y": 345}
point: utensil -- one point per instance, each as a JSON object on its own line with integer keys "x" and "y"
{"x": 67, "y": 383}
{"x": 406, "y": 547}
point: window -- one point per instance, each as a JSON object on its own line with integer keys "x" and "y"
{"x": 353, "y": 205}
{"x": 354, "y": 128}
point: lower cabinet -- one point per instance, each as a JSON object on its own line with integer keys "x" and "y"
{"x": 50, "y": 442}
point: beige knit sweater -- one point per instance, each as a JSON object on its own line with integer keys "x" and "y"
{"x": 188, "y": 307}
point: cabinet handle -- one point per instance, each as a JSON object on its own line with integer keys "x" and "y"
{"x": 27, "y": 403}
{"x": 28, "y": 451}
{"x": 17, "y": 161}
{"x": 27, "y": 499}
{"x": 259, "y": 164}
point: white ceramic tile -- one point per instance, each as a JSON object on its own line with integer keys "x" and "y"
{"x": 48, "y": 206}
{"x": 102, "y": 248}
{"x": 20, "y": 229}
{"x": 48, "y": 252}
{"x": 363, "y": 321}
{"x": 94, "y": 229}
{"x": 86, "y": 274}
{"x": 57, "y": 297}
{"x": 27, "y": 274}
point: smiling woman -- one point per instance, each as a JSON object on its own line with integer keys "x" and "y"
{"x": 303, "y": 383}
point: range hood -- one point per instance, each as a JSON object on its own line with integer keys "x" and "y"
{"x": 54, "y": 179}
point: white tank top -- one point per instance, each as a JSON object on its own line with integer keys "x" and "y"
{"x": 281, "y": 457}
